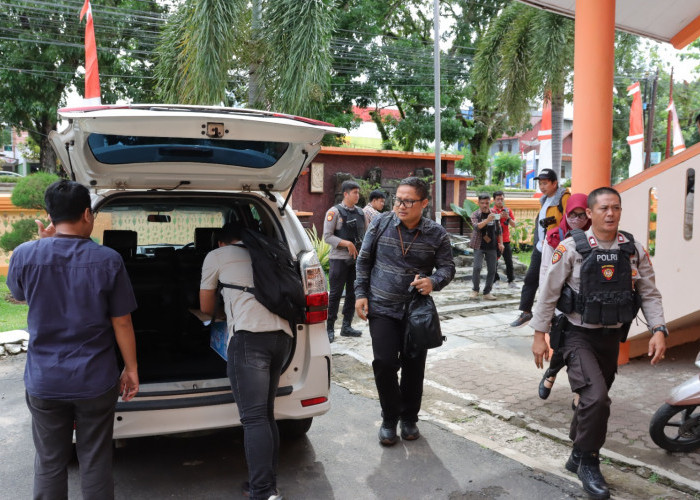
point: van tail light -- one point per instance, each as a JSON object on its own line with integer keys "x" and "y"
{"x": 314, "y": 288}
{"x": 313, "y": 401}
{"x": 316, "y": 308}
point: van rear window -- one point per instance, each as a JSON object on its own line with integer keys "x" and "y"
{"x": 125, "y": 149}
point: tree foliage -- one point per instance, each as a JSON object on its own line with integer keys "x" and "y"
{"x": 42, "y": 48}
{"x": 213, "y": 51}
{"x": 506, "y": 165}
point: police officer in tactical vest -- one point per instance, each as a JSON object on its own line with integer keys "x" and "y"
{"x": 598, "y": 278}
{"x": 344, "y": 229}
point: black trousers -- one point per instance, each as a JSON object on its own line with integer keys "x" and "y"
{"x": 508, "y": 260}
{"x": 398, "y": 399}
{"x": 341, "y": 275}
{"x": 532, "y": 281}
{"x": 591, "y": 361}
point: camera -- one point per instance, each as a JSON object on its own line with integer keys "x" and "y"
{"x": 548, "y": 221}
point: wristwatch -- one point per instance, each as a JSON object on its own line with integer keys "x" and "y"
{"x": 660, "y": 328}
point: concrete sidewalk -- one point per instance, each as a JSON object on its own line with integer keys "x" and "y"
{"x": 490, "y": 365}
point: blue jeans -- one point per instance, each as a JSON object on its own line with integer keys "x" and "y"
{"x": 52, "y": 430}
{"x": 255, "y": 361}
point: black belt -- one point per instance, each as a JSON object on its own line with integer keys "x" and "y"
{"x": 594, "y": 331}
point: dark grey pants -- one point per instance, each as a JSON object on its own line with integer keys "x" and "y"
{"x": 491, "y": 258}
{"x": 52, "y": 430}
{"x": 591, "y": 361}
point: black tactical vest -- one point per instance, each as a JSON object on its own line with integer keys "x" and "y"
{"x": 606, "y": 295}
{"x": 353, "y": 227}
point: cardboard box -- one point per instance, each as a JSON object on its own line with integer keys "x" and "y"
{"x": 218, "y": 338}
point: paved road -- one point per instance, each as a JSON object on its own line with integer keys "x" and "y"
{"x": 340, "y": 459}
{"x": 487, "y": 364}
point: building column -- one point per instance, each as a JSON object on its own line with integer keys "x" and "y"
{"x": 594, "y": 64}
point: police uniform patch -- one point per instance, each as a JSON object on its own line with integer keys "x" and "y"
{"x": 330, "y": 217}
{"x": 608, "y": 271}
{"x": 557, "y": 255}
{"x": 634, "y": 272}
{"x": 620, "y": 238}
{"x": 592, "y": 241}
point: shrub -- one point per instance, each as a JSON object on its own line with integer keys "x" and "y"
{"x": 322, "y": 248}
{"x": 29, "y": 191}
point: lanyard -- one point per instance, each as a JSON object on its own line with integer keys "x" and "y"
{"x": 405, "y": 251}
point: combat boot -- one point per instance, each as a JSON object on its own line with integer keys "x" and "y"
{"x": 330, "y": 330}
{"x": 574, "y": 461}
{"x": 348, "y": 331}
{"x": 591, "y": 478}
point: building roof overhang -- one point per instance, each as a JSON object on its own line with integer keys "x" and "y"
{"x": 674, "y": 21}
{"x": 408, "y": 155}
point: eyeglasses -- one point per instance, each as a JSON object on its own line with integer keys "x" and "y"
{"x": 406, "y": 203}
{"x": 581, "y": 215}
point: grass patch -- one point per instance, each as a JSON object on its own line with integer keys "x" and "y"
{"x": 13, "y": 316}
{"x": 523, "y": 257}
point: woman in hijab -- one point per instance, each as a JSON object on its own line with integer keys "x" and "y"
{"x": 576, "y": 218}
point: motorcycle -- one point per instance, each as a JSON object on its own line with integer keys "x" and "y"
{"x": 676, "y": 424}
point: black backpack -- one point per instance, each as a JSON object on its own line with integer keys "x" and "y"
{"x": 276, "y": 281}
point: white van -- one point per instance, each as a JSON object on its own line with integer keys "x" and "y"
{"x": 163, "y": 178}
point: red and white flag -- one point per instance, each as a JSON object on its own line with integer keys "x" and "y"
{"x": 636, "y": 137}
{"x": 678, "y": 142}
{"x": 545, "y": 135}
{"x": 92, "y": 73}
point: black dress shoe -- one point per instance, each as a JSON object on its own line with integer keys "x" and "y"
{"x": 387, "y": 434}
{"x": 409, "y": 431}
{"x": 543, "y": 390}
{"x": 574, "y": 461}
{"x": 331, "y": 335}
{"x": 591, "y": 478}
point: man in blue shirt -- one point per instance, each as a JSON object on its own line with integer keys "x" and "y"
{"x": 80, "y": 301}
{"x": 408, "y": 246}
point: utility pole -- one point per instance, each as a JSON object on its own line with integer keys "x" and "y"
{"x": 438, "y": 164}
{"x": 650, "y": 121}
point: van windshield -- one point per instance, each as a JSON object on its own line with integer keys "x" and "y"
{"x": 122, "y": 149}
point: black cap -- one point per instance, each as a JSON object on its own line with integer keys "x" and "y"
{"x": 547, "y": 174}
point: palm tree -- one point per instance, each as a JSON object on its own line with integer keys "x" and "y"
{"x": 526, "y": 53}
{"x": 278, "y": 49}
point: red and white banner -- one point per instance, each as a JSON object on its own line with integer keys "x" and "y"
{"x": 92, "y": 72}
{"x": 545, "y": 136}
{"x": 636, "y": 137}
{"x": 678, "y": 142}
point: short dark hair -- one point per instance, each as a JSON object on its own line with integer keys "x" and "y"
{"x": 484, "y": 196}
{"x": 498, "y": 193}
{"x": 593, "y": 196}
{"x": 66, "y": 201}
{"x": 377, "y": 194}
{"x": 418, "y": 184}
{"x": 349, "y": 186}
{"x": 229, "y": 232}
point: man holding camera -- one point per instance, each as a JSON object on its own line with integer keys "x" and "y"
{"x": 344, "y": 229}
{"x": 553, "y": 203}
{"x": 507, "y": 221}
{"x": 486, "y": 241}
